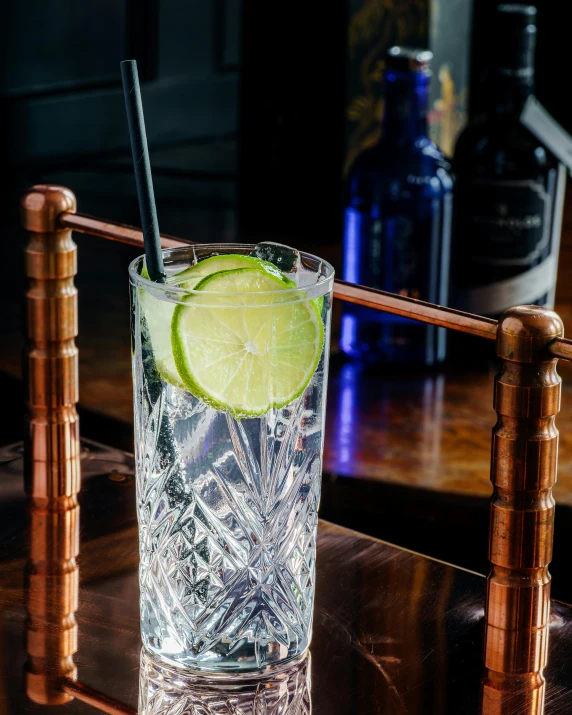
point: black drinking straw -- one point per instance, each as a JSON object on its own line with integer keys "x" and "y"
{"x": 142, "y": 168}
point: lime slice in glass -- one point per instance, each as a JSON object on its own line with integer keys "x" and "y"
{"x": 158, "y": 313}
{"x": 249, "y": 351}
{"x": 189, "y": 277}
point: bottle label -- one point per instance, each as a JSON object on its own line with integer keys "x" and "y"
{"x": 510, "y": 233}
{"x": 523, "y": 289}
{"x": 511, "y": 222}
{"x": 382, "y": 253}
{"x": 392, "y": 258}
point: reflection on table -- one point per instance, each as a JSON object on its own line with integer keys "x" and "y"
{"x": 165, "y": 690}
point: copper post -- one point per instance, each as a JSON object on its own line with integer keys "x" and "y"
{"x": 52, "y": 476}
{"x": 523, "y": 472}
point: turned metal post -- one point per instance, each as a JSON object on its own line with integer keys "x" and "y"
{"x": 52, "y": 472}
{"x": 523, "y": 472}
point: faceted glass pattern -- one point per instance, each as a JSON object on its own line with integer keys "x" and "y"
{"x": 227, "y": 517}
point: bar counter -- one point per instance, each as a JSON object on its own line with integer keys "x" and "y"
{"x": 418, "y": 622}
{"x": 395, "y": 632}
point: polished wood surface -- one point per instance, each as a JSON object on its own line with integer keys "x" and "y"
{"x": 422, "y": 429}
{"x": 386, "y": 429}
{"x": 428, "y": 430}
{"x": 431, "y": 429}
{"x": 523, "y": 472}
{"x": 395, "y": 632}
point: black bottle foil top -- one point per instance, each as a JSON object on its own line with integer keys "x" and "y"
{"x": 514, "y": 40}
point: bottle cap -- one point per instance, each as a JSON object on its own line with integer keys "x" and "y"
{"x": 408, "y": 59}
{"x": 515, "y": 40}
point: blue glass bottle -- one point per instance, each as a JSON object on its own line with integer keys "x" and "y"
{"x": 398, "y": 222}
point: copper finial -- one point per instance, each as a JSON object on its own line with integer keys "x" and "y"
{"x": 523, "y": 472}
{"x": 53, "y": 452}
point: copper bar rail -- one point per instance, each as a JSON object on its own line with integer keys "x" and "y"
{"x": 119, "y": 232}
{"x": 523, "y": 463}
{"x": 360, "y": 295}
{"x": 416, "y": 309}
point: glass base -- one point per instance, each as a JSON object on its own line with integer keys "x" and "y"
{"x": 283, "y": 688}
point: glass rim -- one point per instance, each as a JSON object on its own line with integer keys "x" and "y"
{"x": 173, "y": 292}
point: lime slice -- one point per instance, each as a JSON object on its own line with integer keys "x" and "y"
{"x": 158, "y": 313}
{"x": 246, "y": 353}
{"x": 189, "y": 277}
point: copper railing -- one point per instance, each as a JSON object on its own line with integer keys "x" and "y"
{"x": 523, "y": 463}
{"x": 388, "y": 302}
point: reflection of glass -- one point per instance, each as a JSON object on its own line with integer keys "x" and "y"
{"x": 165, "y": 691}
{"x": 228, "y": 502}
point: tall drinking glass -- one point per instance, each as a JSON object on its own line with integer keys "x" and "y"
{"x": 230, "y": 361}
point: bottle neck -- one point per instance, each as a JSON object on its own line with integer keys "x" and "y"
{"x": 508, "y": 93}
{"x": 406, "y": 107}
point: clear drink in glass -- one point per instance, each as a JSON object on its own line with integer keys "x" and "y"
{"x": 229, "y": 441}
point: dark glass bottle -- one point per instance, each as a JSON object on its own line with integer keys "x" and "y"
{"x": 509, "y": 190}
{"x": 398, "y": 222}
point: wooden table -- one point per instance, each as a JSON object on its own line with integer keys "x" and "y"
{"x": 406, "y": 454}
{"x": 395, "y": 632}
{"x": 429, "y": 431}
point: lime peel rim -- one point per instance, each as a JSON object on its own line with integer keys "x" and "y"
{"x": 179, "y": 351}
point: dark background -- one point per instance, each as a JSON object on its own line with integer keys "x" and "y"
{"x": 268, "y": 84}
{"x": 246, "y": 115}
{"x": 553, "y": 38}
{"x": 64, "y": 112}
